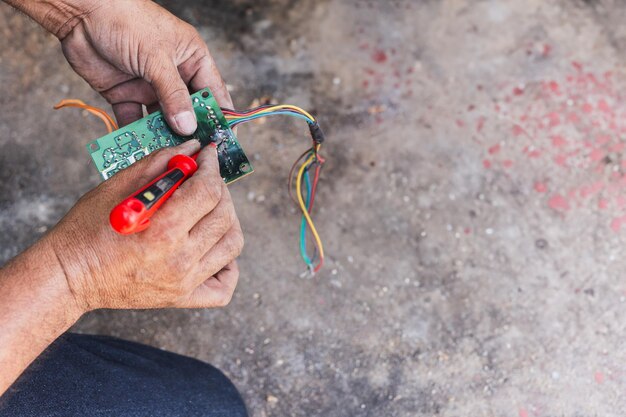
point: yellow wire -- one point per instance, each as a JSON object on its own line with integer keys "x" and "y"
{"x": 276, "y": 108}
{"x": 305, "y": 212}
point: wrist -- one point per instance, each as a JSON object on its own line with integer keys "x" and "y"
{"x": 38, "y": 275}
{"x": 36, "y": 309}
{"x": 58, "y": 17}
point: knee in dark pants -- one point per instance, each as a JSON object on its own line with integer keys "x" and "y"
{"x": 83, "y": 375}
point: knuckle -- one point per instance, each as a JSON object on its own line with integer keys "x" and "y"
{"x": 225, "y": 299}
{"x": 209, "y": 189}
{"x": 235, "y": 244}
{"x": 162, "y": 235}
{"x": 230, "y": 216}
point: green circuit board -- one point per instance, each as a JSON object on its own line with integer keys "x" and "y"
{"x": 127, "y": 145}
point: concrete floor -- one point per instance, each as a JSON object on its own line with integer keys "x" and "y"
{"x": 472, "y": 205}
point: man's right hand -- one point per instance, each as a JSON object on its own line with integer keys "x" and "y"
{"x": 186, "y": 258}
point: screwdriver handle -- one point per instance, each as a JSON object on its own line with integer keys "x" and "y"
{"x": 133, "y": 214}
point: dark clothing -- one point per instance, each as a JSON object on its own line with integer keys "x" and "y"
{"x": 80, "y": 375}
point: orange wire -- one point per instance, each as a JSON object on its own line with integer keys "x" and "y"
{"x": 96, "y": 111}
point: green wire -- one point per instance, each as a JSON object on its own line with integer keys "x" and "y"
{"x": 303, "y": 224}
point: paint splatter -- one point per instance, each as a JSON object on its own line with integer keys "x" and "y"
{"x": 598, "y": 377}
{"x": 558, "y": 202}
{"x": 541, "y": 187}
{"x": 567, "y": 131}
{"x": 379, "y": 56}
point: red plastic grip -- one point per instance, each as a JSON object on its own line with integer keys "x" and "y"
{"x": 133, "y": 214}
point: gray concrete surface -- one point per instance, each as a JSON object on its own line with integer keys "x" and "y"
{"x": 472, "y": 205}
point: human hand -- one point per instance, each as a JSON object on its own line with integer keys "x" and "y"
{"x": 135, "y": 52}
{"x": 184, "y": 259}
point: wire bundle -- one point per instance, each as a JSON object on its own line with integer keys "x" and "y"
{"x": 307, "y": 176}
{"x": 96, "y": 111}
{"x": 308, "y": 173}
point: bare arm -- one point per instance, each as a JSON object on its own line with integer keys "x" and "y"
{"x": 134, "y": 53}
{"x": 36, "y": 307}
{"x": 184, "y": 260}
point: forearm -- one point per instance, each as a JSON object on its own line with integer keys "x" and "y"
{"x": 57, "y": 16}
{"x": 36, "y": 307}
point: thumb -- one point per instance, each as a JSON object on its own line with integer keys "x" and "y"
{"x": 173, "y": 97}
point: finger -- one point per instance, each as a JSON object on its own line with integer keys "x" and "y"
{"x": 210, "y": 229}
{"x": 207, "y": 75}
{"x": 173, "y": 97}
{"x": 224, "y": 252}
{"x": 127, "y": 112}
{"x": 217, "y": 291}
{"x": 200, "y": 194}
{"x": 136, "y": 90}
{"x": 140, "y": 173}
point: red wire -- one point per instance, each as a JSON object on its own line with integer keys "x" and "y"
{"x": 314, "y": 187}
{"x": 319, "y": 266}
{"x": 245, "y": 113}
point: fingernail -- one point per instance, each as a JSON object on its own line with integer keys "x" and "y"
{"x": 213, "y": 145}
{"x": 186, "y": 123}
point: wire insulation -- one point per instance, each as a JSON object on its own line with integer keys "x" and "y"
{"x": 110, "y": 123}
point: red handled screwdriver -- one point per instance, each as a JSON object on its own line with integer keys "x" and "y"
{"x": 133, "y": 214}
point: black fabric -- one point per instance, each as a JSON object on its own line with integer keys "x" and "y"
{"x": 81, "y": 375}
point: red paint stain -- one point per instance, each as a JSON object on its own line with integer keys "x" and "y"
{"x": 554, "y": 119}
{"x": 603, "y": 204}
{"x": 590, "y": 190}
{"x": 554, "y": 87}
{"x": 379, "y": 56}
{"x": 596, "y": 155}
{"x": 480, "y": 124}
{"x": 567, "y": 130}
{"x": 616, "y": 226}
{"x": 546, "y": 49}
{"x": 560, "y": 160}
{"x": 559, "y": 203}
{"x": 494, "y": 149}
{"x": 558, "y": 141}
{"x": 517, "y": 130}
{"x": 603, "y": 106}
{"x": 599, "y": 377}
{"x": 541, "y": 187}
{"x": 460, "y": 123}
{"x": 603, "y": 139}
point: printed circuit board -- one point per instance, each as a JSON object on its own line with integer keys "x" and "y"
{"x": 125, "y": 146}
